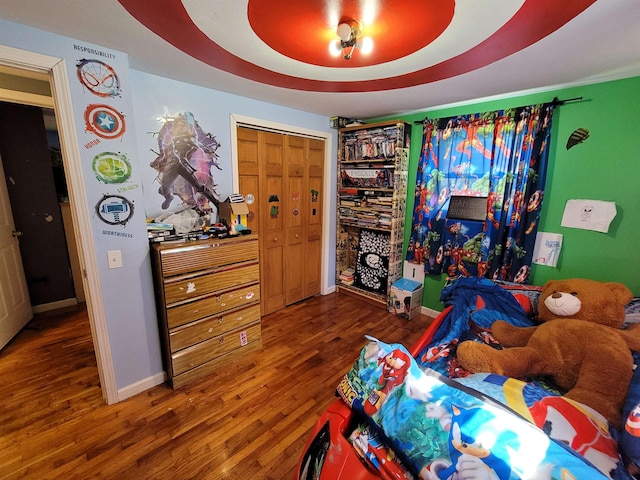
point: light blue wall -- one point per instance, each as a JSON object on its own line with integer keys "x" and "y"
{"x": 128, "y": 292}
{"x": 155, "y": 96}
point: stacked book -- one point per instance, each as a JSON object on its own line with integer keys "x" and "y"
{"x": 346, "y": 276}
{"x": 384, "y": 220}
{"x": 367, "y": 219}
{"x": 349, "y": 197}
{"x": 159, "y": 232}
{"x": 380, "y": 204}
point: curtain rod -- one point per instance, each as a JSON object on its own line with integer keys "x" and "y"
{"x": 556, "y": 102}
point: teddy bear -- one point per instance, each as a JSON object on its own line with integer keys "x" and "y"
{"x": 579, "y": 344}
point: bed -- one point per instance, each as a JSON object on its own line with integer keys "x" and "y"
{"x": 415, "y": 413}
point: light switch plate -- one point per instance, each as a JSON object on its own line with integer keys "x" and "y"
{"x": 114, "y": 258}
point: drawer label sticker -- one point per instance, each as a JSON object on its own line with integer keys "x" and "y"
{"x": 243, "y": 338}
{"x": 191, "y": 287}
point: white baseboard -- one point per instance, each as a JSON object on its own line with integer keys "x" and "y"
{"x": 141, "y": 386}
{"x": 430, "y": 312}
{"x": 45, "y": 307}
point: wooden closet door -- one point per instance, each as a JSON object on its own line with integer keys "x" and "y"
{"x": 284, "y": 173}
{"x": 295, "y": 213}
{"x": 314, "y": 195}
{"x": 271, "y": 154}
{"x": 260, "y": 173}
{"x": 249, "y": 174}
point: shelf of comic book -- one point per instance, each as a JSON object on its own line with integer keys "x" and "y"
{"x": 372, "y": 190}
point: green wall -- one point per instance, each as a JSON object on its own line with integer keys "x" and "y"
{"x": 605, "y": 167}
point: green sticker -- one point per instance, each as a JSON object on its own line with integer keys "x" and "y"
{"x": 110, "y": 167}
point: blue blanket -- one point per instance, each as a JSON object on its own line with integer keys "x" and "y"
{"x": 477, "y": 303}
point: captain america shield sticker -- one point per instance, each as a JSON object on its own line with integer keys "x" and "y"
{"x": 104, "y": 121}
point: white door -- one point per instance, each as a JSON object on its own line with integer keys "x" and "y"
{"x": 15, "y": 305}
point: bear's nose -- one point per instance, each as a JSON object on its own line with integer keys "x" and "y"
{"x": 556, "y": 295}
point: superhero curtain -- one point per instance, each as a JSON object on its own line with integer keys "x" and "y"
{"x": 499, "y": 155}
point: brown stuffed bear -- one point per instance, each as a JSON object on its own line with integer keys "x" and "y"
{"x": 579, "y": 344}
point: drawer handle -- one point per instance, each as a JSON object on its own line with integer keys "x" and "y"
{"x": 218, "y": 298}
{"x": 221, "y": 340}
{"x": 297, "y": 236}
{"x": 210, "y": 330}
{"x": 220, "y": 319}
{"x": 275, "y": 239}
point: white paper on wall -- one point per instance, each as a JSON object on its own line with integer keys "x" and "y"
{"x": 547, "y": 248}
{"x": 589, "y": 214}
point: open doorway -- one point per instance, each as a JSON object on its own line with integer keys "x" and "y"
{"x": 37, "y": 192}
{"x": 55, "y": 69}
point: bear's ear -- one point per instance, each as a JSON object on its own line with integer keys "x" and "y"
{"x": 550, "y": 285}
{"x": 622, "y": 294}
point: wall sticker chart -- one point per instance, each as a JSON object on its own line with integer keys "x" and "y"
{"x": 105, "y": 121}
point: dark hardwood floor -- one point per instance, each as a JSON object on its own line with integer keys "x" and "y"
{"x": 248, "y": 421}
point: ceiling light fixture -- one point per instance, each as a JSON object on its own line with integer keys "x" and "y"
{"x": 349, "y": 32}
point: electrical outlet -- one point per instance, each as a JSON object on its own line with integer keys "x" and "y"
{"x": 114, "y": 258}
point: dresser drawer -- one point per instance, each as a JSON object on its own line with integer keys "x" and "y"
{"x": 192, "y": 286}
{"x": 210, "y": 254}
{"x": 212, "y": 305}
{"x": 196, "y": 332}
{"x": 210, "y": 349}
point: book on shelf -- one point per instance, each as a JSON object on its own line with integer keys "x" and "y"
{"x": 385, "y": 220}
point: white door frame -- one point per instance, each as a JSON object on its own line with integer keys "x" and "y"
{"x": 56, "y": 69}
{"x": 241, "y": 120}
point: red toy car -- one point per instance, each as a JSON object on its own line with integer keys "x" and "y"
{"x": 328, "y": 454}
{"x": 408, "y": 413}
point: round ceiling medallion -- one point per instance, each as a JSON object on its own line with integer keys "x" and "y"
{"x": 531, "y": 23}
{"x": 303, "y": 30}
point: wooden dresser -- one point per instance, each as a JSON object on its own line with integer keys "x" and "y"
{"x": 208, "y": 298}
